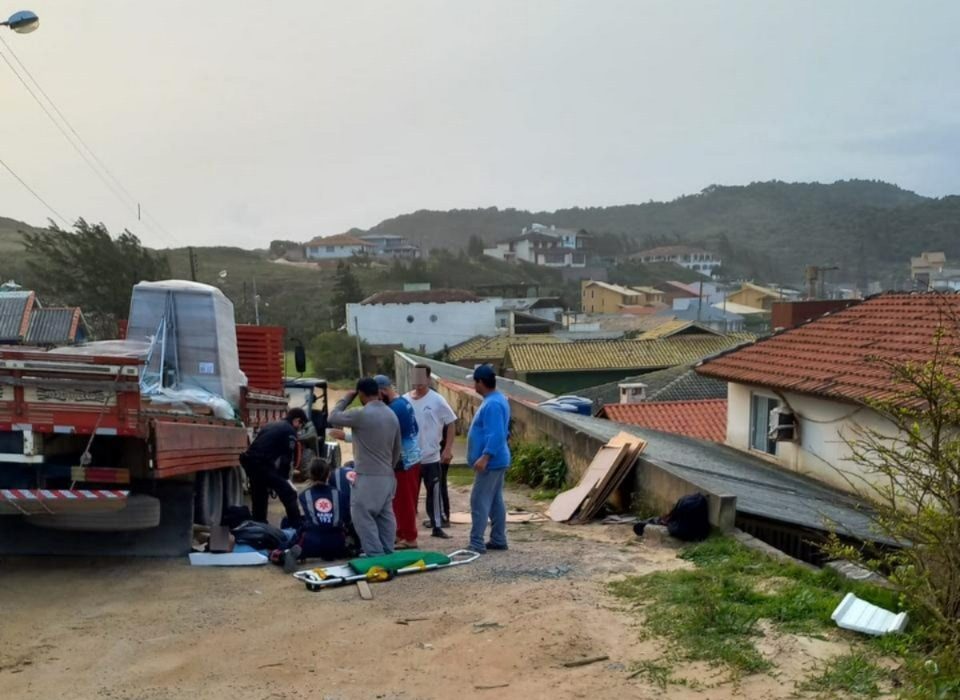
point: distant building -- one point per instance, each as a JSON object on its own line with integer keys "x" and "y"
{"x": 690, "y": 257}
{"x": 337, "y": 247}
{"x": 604, "y": 298}
{"x": 715, "y": 319}
{"x": 426, "y": 321}
{"x": 521, "y": 315}
{"x": 545, "y": 246}
{"x": 388, "y": 245}
{"x": 565, "y": 367}
{"x": 491, "y": 349}
{"x": 929, "y": 271}
{"x": 23, "y": 321}
{"x": 755, "y": 296}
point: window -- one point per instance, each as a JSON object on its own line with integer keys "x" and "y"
{"x": 409, "y": 319}
{"x": 760, "y": 407}
{"x": 331, "y": 248}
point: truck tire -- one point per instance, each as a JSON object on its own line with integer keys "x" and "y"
{"x": 208, "y": 498}
{"x": 232, "y": 487}
{"x": 142, "y": 512}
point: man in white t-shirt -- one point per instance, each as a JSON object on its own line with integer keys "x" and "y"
{"x": 438, "y": 424}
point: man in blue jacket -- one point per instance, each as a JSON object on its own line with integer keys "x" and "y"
{"x": 489, "y": 455}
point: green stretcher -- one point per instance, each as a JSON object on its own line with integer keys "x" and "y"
{"x": 382, "y": 568}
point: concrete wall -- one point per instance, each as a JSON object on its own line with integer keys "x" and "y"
{"x": 432, "y": 326}
{"x": 652, "y": 486}
{"x": 822, "y": 452}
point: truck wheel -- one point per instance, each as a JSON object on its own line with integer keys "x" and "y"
{"x": 142, "y": 512}
{"x": 208, "y": 498}
{"x": 232, "y": 487}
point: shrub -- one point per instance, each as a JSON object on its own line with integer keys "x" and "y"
{"x": 539, "y": 465}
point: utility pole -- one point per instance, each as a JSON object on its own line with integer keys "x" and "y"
{"x": 256, "y": 303}
{"x": 356, "y": 330}
{"x": 193, "y": 263}
{"x": 700, "y": 301}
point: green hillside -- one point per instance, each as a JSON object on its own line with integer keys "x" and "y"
{"x": 764, "y": 230}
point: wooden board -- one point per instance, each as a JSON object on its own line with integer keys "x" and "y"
{"x": 614, "y": 477}
{"x": 565, "y": 505}
{"x": 512, "y": 517}
{"x": 364, "y": 589}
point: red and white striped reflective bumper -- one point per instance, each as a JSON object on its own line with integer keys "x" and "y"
{"x": 34, "y": 495}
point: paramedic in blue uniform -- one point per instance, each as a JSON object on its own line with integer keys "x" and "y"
{"x": 268, "y": 461}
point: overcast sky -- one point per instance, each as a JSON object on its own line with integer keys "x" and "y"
{"x": 239, "y": 122}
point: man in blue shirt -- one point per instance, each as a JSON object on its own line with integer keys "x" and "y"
{"x": 408, "y": 469}
{"x": 489, "y": 455}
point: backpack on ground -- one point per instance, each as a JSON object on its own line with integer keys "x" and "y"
{"x": 689, "y": 520}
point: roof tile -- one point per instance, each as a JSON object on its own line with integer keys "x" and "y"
{"x": 706, "y": 420}
{"x": 620, "y": 354}
{"x": 842, "y": 355}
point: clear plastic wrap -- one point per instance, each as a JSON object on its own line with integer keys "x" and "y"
{"x": 192, "y": 335}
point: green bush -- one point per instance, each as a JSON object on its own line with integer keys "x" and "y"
{"x": 539, "y": 465}
{"x": 333, "y": 355}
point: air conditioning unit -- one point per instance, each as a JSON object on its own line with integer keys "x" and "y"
{"x": 783, "y": 425}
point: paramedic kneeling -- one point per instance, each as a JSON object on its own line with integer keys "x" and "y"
{"x": 267, "y": 463}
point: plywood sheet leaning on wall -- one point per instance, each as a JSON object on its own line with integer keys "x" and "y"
{"x": 606, "y": 472}
{"x": 633, "y": 446}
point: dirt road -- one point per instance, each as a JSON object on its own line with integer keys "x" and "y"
{"x": 499, "y": 628}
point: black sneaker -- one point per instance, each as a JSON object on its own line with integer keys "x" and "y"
{"x": 497, "y": 547}
{"x": 437, "y": 532}
{"x": 291, "y": 559}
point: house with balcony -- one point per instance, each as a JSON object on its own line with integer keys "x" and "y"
{"x": 545, "y": 246}
{"x": 689, "y": 257}
{"x": 388, "y": 245}
{"x": 338, "y": 247}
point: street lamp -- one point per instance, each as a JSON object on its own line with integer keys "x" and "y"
{"x": 22, "y": 22}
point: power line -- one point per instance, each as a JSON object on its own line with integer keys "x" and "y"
{"x": 31, "y": 191}
{"x": 116, "y": 187}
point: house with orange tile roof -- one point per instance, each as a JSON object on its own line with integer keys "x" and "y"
{"x": 797, "y": 397}
{"x": 705, "y": 419}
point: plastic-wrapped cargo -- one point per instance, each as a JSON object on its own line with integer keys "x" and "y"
{"x": 193, "y": 338}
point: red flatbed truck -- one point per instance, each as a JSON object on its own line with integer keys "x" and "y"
{"x": 89, "y": 466}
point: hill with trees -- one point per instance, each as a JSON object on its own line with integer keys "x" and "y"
{"x": 764, "y": 229}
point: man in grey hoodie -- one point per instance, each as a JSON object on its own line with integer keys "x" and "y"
{"x": 376, "y": 450}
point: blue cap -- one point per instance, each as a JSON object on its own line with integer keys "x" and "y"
{"x": 483, "y": 372}
{"x": 383, "y": 381}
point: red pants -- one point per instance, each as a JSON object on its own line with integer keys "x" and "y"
{"x": 405, "y": 502}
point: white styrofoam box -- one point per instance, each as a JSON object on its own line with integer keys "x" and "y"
{"x": 861, "y": 616}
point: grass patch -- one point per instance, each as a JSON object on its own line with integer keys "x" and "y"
{"x": 711, "y": 612}
{"x": 460, "y": 475}
{"x": 544, "y": 494}
{"x": 851, "y": 673}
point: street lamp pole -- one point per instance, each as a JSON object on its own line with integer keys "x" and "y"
{"x": 22, "y": 22}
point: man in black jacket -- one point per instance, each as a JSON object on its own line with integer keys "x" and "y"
{"x": 267, "y": 462}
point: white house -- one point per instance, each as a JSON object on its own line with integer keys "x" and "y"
{"x": 696, "y": 259}
{"x": 546, "y": 246}
{"x": 815, "y": 381}
{"x": 425, "y": 320}
{"x": 342, "y": 245}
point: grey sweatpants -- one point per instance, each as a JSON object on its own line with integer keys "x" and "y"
{"x": 371, "y": 507}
